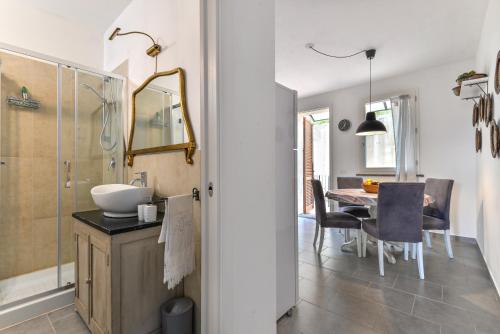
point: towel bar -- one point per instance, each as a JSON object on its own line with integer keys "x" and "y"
{"x": 196, "y": 197}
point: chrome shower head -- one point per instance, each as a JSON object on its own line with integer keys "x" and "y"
{"x": 94, "y": 91}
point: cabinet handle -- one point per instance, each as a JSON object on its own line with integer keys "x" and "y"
{"x": 88, "y": 281}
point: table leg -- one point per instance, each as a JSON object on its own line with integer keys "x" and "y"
{"x": 388, "y": 254}
{"x": 349, "y": 246}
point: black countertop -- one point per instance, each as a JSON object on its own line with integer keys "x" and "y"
{"x": 112, "y": 226}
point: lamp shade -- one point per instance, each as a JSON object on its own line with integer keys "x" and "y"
{"x": 371, "y": 126}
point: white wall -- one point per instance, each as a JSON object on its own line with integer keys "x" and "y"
{"x": 176, "y": 25}
{"x": 26, "y": 26}
{"x": 241, "y": 229}
{"x": 446, "y": 133}
{"x": 488, "y": 168}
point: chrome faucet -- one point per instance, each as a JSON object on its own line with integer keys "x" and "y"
{"x": 143, "y": 179}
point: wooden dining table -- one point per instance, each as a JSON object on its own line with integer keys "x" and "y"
{"x": 361, "y": 197}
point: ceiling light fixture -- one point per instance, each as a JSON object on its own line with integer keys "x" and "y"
{"x": 370, "y": 126}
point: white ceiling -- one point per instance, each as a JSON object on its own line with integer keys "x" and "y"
{"x": 95, "y": 14}
{"x": 408, "y": 36}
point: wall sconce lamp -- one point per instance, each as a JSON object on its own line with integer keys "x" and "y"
{"x": 153, "y": 51}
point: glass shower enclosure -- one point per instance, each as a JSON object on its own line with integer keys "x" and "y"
{"x": 61, "y": 133}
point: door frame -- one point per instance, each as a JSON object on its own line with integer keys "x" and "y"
{"x": 331, "y": 128}
{"x": 305, "y": 123}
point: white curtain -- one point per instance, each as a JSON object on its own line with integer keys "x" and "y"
{"x": 405, "y": 138}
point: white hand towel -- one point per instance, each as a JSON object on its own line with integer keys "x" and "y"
{"x": 177, "y": 232}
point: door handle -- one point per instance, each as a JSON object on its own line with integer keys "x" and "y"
{"x": 67, "y": 167}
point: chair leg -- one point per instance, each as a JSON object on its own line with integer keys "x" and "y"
{"x": 359, "y": 240}
{"x": 414, "y": 251}
{"x": 316, "y": 234}
{"x": 364, "y": 240}
{"x": 428, "y": 239}
{"x": 447, "y": 242}
{"x": 405, "y": 250}
{"x": 420, "y": 260}
{"x": 321, "y": 239}
{"x": 380, "y": 244}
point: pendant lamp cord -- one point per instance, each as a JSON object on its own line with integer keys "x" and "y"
{"x": 310, "y": 46}
{"x": 370, "y": 85}
{"x": 370, "y": 54}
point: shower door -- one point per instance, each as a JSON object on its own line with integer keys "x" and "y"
{"x": 28, "y": 182}
{"x": 60, "y": 135}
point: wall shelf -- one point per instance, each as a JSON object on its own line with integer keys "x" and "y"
{"x": 474, "y": 89}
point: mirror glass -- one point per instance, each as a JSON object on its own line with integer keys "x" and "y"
{"x": 160, "y": 119}
{"x": 158, "y": 114}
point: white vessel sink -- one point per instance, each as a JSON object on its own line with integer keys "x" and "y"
{"x": 120, "y": 200}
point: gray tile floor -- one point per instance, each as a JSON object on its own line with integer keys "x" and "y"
{"x": 63, "y": 321}
{"x": 341, "y": 293}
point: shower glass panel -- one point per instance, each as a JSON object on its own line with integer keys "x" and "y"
{"x": 60, "y": 135}
{"x": 28, "y": 210}
{"x": 99, "y": 145}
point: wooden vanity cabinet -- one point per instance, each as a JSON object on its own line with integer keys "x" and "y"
{"x": 119, "y": 280}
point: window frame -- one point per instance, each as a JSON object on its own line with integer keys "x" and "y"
{"x": 390, "y": 171}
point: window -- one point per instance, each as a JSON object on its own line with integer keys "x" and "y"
{"x": 380, "y": 150}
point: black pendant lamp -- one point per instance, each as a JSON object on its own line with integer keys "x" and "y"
{"x": 371, "y": 126}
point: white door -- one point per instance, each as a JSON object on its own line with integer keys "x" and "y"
{"x": 286, "y": 200}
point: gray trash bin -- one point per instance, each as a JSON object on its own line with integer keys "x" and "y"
{"x": 177, "y": 316}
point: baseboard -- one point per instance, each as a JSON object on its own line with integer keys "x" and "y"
{"x": 436, "y": 234}
{"x": 489, "y": 272}
{"x": 34, "y": 308}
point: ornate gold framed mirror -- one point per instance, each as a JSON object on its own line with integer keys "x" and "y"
{"x": 160, "y": 118}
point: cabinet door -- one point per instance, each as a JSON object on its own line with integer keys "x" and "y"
{"x": 82, "y": 277}
{"x": 100, "y": 289}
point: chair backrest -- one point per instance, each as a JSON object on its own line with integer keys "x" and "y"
{"x": 349, "y": 182}
{"x": 399, "y": 211}
{"x": 319, "y": 201}
{"x": 440, "y": 190}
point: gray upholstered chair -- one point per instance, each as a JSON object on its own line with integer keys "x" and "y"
{"x": 399, "y": 219}
{"x": 437, "y": 214}
{"x": 349, "y": 182}
{"x": 331, "y": 219}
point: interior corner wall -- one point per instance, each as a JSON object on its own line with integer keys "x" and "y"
{"x": 25, "y": 26}
{"x": 446, "y": 132}
{"x": 488, "y": 168}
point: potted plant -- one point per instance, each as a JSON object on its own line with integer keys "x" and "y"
{"x": 466, "y": 76}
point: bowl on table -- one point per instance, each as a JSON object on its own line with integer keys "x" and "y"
{"x": 370, "y": 187}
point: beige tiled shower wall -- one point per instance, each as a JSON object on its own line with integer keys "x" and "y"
{"x": 28, "y": 180}
{"x": 170, "y": 175}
